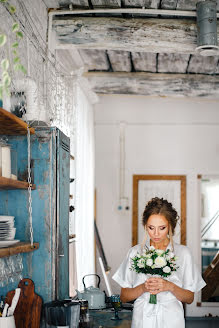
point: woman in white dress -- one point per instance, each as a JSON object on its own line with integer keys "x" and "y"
{"x": 159, "y": 221}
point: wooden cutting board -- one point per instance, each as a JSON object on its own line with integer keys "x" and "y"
{"x": 28, "y": 310}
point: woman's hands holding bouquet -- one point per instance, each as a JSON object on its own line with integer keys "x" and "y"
{"x": 155, "y": 285}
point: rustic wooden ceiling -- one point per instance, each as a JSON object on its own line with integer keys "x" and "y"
{"x": 135, "y": 53}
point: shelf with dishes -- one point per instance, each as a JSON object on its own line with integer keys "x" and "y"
{"x": 8, "y": 244}
{"x": 11, "y": 125}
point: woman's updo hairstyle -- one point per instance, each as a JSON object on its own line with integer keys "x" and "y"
{"x": 162, "y": 207}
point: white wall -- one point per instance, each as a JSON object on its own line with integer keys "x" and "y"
{"x": 163, "y": 136}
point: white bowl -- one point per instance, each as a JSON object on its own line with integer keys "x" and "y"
{"x": 6, "y": 218}
{"x": 11, "y": 234}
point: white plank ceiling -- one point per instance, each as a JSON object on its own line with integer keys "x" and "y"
{"x": 134, "y": 53}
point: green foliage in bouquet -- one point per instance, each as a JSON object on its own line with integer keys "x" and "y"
{"x": 155, "y": 262}
{"x": 6, "y": 66}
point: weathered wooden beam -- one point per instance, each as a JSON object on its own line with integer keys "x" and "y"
{"x": 136, "y": 34}
{"x": 74, "y": 3}
{"x": 120, "y": 60}
{"x": 168, "y": 4}
{"x": 189, "y": 4}
{"x": 186, "y": 4}
{"x": 106, "y": 3}
{"x": 204, "y": 65}
{"x": 188, "y": 85}
{"x": 94, "y": 60}
{"x": 141, "y": 3}
{"x": 144, "y": 61}
{"x": 172, "y": 63}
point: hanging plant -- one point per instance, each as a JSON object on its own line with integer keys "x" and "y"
{"x": 6, "y": 66}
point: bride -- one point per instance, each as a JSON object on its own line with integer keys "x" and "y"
{"x": 159, "y": 221}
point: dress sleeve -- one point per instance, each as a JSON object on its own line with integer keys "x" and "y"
{"x": 124, "y": 275}
{"x": 192, "y": 279}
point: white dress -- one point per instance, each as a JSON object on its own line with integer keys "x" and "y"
{"x": 168, "y": 312}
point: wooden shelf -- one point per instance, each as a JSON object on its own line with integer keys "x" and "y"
{"x": 6, "y": 183}
{"x": 10, "y": 124}
{"x": 21, "y": 247}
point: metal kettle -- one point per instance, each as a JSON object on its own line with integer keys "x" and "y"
{"x": 94, "y": 296}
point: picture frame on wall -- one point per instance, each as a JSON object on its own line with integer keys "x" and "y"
{"x": 170, "y": 187}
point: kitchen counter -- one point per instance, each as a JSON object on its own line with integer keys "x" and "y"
{"x": 102, "y": 318}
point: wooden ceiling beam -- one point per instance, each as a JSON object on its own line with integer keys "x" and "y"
{"x": 149, "y": 84}
{"x": 134, "y": 34}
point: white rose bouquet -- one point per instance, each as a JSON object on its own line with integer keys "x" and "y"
{"x": 155, "y": 262}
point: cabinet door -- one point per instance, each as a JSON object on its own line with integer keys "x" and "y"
{"x": 63, "y": 185}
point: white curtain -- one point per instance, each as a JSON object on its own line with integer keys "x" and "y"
{"x": 84, "y": 201}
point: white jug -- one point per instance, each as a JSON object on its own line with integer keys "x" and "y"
{"x": 7, "y": 322}
{"x": 5, "y": 160}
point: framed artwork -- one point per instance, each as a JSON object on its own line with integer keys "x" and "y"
{"x": 170, "y": 187}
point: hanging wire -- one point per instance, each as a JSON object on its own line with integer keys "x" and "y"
{"x": 55, "y": 102}
{"x": 29, "y": 187}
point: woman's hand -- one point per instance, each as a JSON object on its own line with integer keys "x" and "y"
{"x": 157, "y": 285}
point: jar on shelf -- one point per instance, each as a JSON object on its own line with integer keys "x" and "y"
{"x": 5, "y": 159}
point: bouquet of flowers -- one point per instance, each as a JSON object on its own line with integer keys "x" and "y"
{"x": 155, "y": 262}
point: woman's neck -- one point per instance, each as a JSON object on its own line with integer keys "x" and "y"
{"x": 163, "y": 245}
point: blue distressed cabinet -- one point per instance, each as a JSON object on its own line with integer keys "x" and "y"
{"x": 48, "y": 266}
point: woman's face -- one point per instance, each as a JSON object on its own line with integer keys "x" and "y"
{"x": 157, "y": 227}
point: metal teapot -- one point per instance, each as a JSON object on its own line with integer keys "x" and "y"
{"x": 94, "y": 296}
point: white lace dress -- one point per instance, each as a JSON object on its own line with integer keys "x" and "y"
{"x": 168, "y": 312}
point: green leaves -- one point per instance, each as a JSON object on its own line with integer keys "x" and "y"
{"x": 19, "y": 34}
{"x": 5, "y": 64}
{"x": 12, "y": 9}
{"x": 1, "y": 92}
{"x": 6, "y": 81}
{"x": 20, "y": 67}
{"x": 15, "y": 45}
{"x": 3, "y": 39}
{"x": 16, "y": 60}
{"x": 5, "y": 77}
{"x": 15, "y": 27}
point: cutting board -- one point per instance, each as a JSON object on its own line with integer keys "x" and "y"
{"x": 28, "y": 310}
